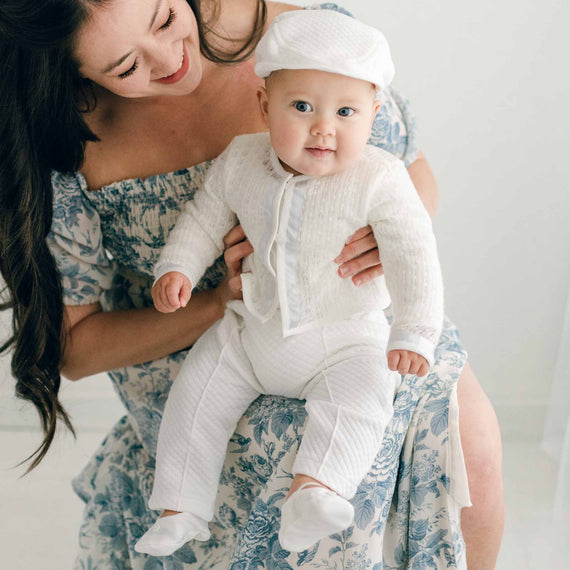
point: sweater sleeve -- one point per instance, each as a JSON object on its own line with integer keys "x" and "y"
{"x": 408, "y": 252}
{"x": 196, "y": 240}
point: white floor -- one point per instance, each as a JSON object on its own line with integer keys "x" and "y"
{"x": 40, "y": 514}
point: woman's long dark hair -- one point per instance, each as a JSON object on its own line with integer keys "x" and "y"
{"x": 43, "y": 101}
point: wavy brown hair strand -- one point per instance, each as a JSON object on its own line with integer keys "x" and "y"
{"x": 43, "y": 101}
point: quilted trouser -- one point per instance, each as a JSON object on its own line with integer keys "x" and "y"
{"x": 339, "y": 368}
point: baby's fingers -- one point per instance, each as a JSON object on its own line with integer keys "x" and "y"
{"x": 185, "y": 293}
{"x": 172, "y": 294}
{"x": 424, "y": 369}
{"x": 404, "y": 364}
{"x": 414, "y": 366}
{"x": 393, "y": 360}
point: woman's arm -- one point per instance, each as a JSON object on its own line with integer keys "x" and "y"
{"x": 422, "y": 176}
{"x": 99, "y": 341}
{"x": 360, "y": 258}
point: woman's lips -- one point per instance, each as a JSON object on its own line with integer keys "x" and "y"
{"x": 319, "y": 152}
{"x": 177, "y": 76}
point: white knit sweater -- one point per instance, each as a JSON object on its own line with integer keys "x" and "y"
{"x": 299, "y": 224}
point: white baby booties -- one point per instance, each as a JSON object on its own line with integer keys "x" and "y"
{"x": 168, "y": 534}
{"x": 311, "y": 513}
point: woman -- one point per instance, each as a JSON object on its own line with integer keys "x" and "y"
{"x": 150, "y": 78}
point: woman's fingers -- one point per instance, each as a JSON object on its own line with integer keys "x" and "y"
{"x": 356, "y": 248}
{"x": 234, "y": 236}
{"x": 235, "y": 284}
{"x": 359, "y": 234}
{"x": 365, "y": 261}
{"x": 235, "y": 253}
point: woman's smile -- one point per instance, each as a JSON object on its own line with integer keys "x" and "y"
{"x": 180, "y": 72}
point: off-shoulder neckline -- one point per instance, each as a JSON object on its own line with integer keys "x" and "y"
{"x": 139, "y": 182}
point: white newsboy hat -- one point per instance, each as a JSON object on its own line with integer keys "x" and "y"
{"x": 327, "y": 41}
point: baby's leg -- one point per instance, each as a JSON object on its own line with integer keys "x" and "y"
{"x": 207, "y": 398}
{"x": 349, "y": 408}
{"x": 349, "y": 405}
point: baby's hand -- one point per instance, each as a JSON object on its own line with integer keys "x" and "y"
{"x": 171, "y": 292}
{"x": 407, "y": 362}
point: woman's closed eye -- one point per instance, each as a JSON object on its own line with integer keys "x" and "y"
{"x": 129, "y": 71}
{"x": 171, "y": 18}
{"x": 169, "y": 21}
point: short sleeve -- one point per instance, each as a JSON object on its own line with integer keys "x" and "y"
{"x": 394, "y": 128}
{"x": 76, "y": 241}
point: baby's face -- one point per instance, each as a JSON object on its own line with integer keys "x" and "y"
{"x": 319, "y": 122}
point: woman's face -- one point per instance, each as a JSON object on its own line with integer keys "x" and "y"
{"x": 141, "y": 48}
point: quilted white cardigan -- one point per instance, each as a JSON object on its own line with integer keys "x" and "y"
{"x": 299, "y": 224}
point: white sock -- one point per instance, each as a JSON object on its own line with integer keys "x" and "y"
{"x": 170, "y": 533}
{"x": 311, "y": 514}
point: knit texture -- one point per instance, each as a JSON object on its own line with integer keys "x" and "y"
{"x": 298, "y": 225}
{"x": 327, "y": 41}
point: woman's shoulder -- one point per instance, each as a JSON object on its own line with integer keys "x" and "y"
{"x": 236, "y": 17}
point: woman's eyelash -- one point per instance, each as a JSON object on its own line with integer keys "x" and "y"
{"x": 170, "y": 20}
{"x": 129, "y": 71}
{"x": 167, "y": 24}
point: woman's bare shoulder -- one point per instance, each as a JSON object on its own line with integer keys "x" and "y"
{"x": 236, "y": 17}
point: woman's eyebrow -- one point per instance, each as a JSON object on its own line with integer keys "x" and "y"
{"x": 112, "y": 66}
{"x": 156, "y": 10}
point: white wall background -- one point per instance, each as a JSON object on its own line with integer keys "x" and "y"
{"x": 489, "y": 84}
{"x": 488, "y": 81}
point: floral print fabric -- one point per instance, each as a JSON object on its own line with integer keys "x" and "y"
{"x": 407, "y": 509}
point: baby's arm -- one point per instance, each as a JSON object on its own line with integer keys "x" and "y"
{"x": 197, "y": 238}
{"x": 403, "y": 231}
{"x": 172, "y": 291}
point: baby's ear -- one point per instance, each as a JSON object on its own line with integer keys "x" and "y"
{"x": 377, "y": 105}
{"x": 375, "y": 108}
{"x": 263, "y": 103}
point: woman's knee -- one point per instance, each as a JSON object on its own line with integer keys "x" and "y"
{"x": 480, "y": 439}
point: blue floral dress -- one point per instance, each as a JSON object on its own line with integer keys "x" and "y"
{"x": 408, "y": 507}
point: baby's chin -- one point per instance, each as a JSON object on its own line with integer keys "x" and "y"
{"x": 314, "y": 167}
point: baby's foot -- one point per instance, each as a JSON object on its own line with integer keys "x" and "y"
{"x": 311, "y": 514}
{"x": 170, "y": 533}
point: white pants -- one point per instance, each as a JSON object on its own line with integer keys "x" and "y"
{"x": 340, "y": 369}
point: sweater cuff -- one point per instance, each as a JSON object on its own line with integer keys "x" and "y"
{"x": 165, "y": 267}
{"x": 401, "y": 340}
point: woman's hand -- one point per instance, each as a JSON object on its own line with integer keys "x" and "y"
{"x": 237, "y": 247}
{"x": 360, "y": 258}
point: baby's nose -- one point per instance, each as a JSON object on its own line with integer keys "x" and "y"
{"x": 323, "y": 127}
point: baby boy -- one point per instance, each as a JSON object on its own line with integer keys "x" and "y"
{"x": 299, "y": 191}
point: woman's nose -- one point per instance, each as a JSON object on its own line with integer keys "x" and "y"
{"x": 323, "y": 127}
{"x": 166, "y": 60}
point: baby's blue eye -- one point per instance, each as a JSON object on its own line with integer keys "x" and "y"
{"x": 303, "y": 106}
{"x": 345, "y": 111}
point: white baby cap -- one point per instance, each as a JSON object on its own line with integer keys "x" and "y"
{"x": 327, "y": 41}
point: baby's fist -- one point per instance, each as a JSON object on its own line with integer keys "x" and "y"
{"x": 407, "y": 362}
{"x": 171, "y": 292}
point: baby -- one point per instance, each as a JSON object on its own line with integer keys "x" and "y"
{"x": 301, "y": 331}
